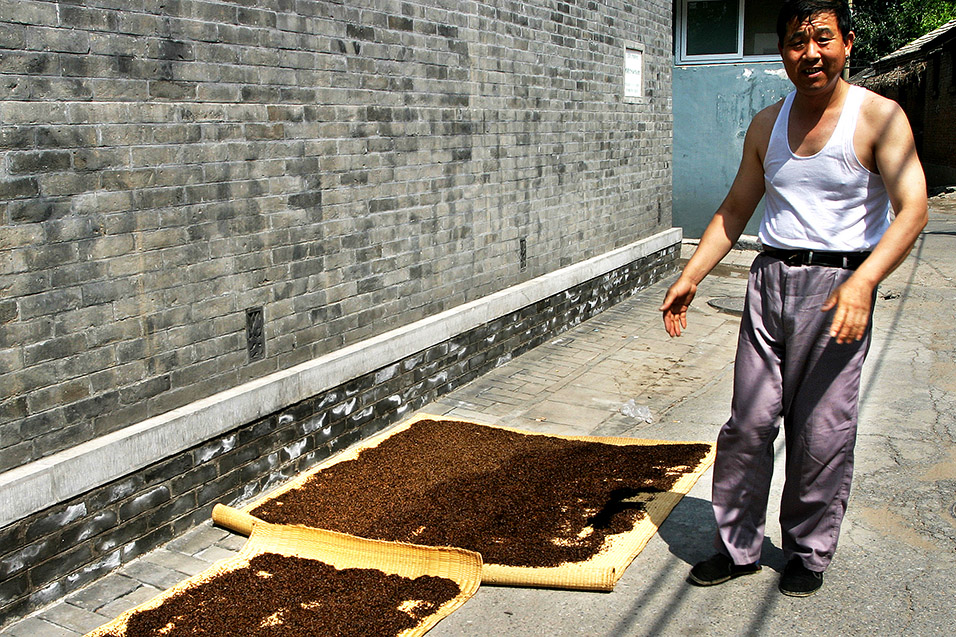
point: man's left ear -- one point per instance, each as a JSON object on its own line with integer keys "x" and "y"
{"x": 848, "y": 41}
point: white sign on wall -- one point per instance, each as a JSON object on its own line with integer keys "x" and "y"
{"x": 633, "y": 72}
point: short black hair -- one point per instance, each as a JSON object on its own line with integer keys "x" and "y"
{"x": 800, "y": 10}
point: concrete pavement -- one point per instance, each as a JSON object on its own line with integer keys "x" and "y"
{"x": 895, "y": 569}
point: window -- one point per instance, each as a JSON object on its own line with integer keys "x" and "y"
{"x": 726, "y": 30}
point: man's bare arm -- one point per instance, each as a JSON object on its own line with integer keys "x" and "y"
{"x": 897, "y": 162}
{"x": 725, "y": 227}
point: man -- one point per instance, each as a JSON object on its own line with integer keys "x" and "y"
{"x": 835, "y": 163}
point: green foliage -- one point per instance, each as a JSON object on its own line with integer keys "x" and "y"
{"x": 882, "y": 26}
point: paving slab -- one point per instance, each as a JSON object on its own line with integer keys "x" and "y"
{"x": 37, "y": 627}
{"x": 70, "y": 617}
{"x": 105, "y": 590}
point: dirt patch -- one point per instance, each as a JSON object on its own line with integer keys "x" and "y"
{"x": 277, "y": 595}
{"x": 518, "y": 499}
{"x": 944, "y": 201}
{"x": 892, "y": 525}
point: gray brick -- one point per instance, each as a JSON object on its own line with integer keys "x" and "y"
{"x": 55, "y": 349}
{"x": 64, "y": 563}
{"x": 65, "y": 136}
{"x": 99, "y": 292}
{"x": 12, "y": 588}
{"x": 21, "y": 163}
{"x": 86, "y": 409}
{"x": 37, "y": 210}
{"x": 60, "y": 40}
{"x": 71, "y": 228}
{"x": 16, "y": 188}
{"x": 54, "y": 521}
{"x": 11, "y": 37}
{"x": 123, "y": 90}
{"x": 49, "y": 303}
{"x": 190, "y": 480}
{"x": 16, "y": 138}
{"x": 172, "y": 90}
{"x": 13, "y": 456}
{"x": 90, "y": 527}
{"x": 24, "y": 557}
{"x": 99, "y": 158}
{"x": 10, "y": 432}
{"x": 76, "y": 274}
{"x": 66, "y": 435}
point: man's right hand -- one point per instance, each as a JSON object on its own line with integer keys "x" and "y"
{"x": 676, "y": 302}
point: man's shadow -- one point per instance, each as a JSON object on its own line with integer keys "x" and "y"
{"x": 689, "y": 533}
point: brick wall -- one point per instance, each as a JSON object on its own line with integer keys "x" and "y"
{"x": 348, "y": 167}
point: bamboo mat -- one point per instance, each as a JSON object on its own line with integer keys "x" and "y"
{"x": 601, "y": 572}
{"x": 338, "y": 550}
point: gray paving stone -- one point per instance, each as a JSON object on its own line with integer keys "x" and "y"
{"x": 197, "y": 539}
{"x": 103, "y": 591}
{"x": 122, "y": 604}
{"x": 176, "y": 561}
{"x": 153, "y": 574}
{"x": 36, "y": 627}
{"x": 213, "y": 554}
{"x": 71, "y": 618}
{"x": 578, "y": 417}
{"x": 232, "y": 542}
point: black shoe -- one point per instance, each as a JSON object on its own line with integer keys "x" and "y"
{"x": 798, "y": 580}
{"x": 719, "y": 569}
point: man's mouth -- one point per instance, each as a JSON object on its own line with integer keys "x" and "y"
{"x": 813, "y": 71}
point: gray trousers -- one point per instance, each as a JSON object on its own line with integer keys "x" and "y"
{"x": 788, "y": 366}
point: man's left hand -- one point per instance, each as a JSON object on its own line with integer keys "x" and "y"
{"x": 853, "y": 301}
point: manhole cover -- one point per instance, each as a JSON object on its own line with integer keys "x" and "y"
{"x": 730, "y": 304}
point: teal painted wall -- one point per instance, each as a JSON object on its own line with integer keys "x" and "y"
{"x": 713, "y": 105}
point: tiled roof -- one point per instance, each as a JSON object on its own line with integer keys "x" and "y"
{"x": 916, "y": 45}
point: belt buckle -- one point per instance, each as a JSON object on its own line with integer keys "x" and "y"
{"x": 795, "y": 259}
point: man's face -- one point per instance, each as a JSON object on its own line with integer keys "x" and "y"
{"x": 814, "y": 53}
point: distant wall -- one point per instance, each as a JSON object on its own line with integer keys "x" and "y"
{"x": 713, "y": 106}
{"x": 237, "y": 236}
{"x": 938, "y": 134}
{"x": 347, "y": 167}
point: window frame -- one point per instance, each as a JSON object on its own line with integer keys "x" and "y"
{"x": 713, "y": 58}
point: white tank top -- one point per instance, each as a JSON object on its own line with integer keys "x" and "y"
{"x": 827, "y": 201}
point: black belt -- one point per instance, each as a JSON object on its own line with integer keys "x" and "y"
{"x": 846, "y": 260}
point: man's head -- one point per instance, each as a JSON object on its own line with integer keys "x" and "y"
{"x": 816, "y": 37}
{"x": 796, "y": 11}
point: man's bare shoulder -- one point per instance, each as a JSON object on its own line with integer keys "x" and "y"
{"x": 877, "y": 111}
{"x": 761, "y": 126}
{"x": 883, "y": 127}
{"x": 769, "y": 114}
